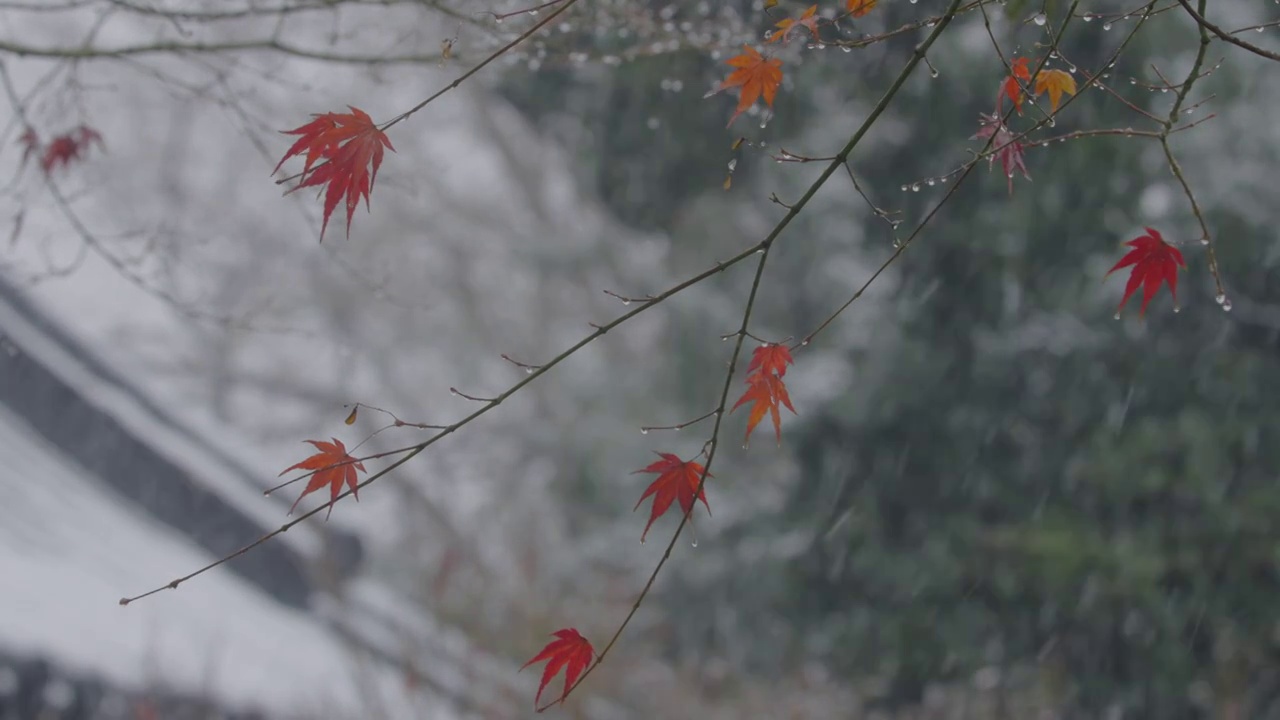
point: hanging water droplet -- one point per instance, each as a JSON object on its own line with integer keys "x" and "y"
{"x": 1177, "y": 309}
{"x": 678, "y": 428}
{"x": 533, "y": 13}
{"x": 904, "y": 188}
{"x": 528, "y": 371}
{"x": 1258, "y": 29}
{"x": 1226, "y": 305}
{"x": 913, "y": 2}
{"x": 1040, "y": 19}
{"x": 642, "y": 540}
{"x": 733, "y": 164}
{"x": 694, "y": 542}
{"x": 915, "y": 187}
{"x": 1106, "y": 26}
{"x": 933, "y": 72}
{"x": 930, "y": 182}
{"x": 1204, "y": 241}
{"x": 1052, "y": 122}
{"x": 1117, "y": 315}
{"x": 846, "y": 48}
{"x": 1220, "y": 298}
{"x": 644, "y": 431}
{"x": 1087, "y": 17}
{"x": 804, "y": 343}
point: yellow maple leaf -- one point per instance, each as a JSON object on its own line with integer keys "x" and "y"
{"x": 1055, "y": 82}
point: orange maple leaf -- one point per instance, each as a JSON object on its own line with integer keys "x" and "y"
{"x": 755, "y": 76}
{"x": 1011, "y": 87}
{"x": 809, "y": 20}
{"x": 677, "y": 480}
{"x": 1154, "y": 261}
{"x": 1055, "y": 82}
{"x": 858, "y": 8}
{"x": 331, "y": 466}
{"x": 351, "y": 146}
{"x": 570, "y": 651}
{"x": 765, "y": 389}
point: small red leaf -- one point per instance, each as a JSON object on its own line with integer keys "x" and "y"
{"x": 1004, "y": 147}
{"x": 1011, "y": 87}
{"x": 570, "y": 651}
{"x": 351, "y": 146}
{"x": 331, "y": 466}
{"x": 1154, "y": 261}
{"x": 677, "y": 481}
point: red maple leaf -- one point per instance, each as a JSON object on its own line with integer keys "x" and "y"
{"x": 1004, "y": 147}
{"x": 755, "y": 76}
{"x": 62, "y": 149}
{"x": 765, "y": 389}
{"x": 331, "y": 466}
{"x": 1154, "y": 261}
{"x": 1011, "y": 87}
{"x": 772, "y": 359}
{"x": 677, "y": 480}
{"x": 570, "y": 651}
{"x": 351, "y": 146}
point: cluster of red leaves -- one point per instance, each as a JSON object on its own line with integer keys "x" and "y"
{"x": 1154, "y": 261}
{"x": 765, "y": 390}
{"x": 331, "y": 466}
{"x": 677, "y": 480}
{"x": 1005, "y": 148}
{"x": 62, "y": 149}
{"x": 1054, "y": 82}
{"x": 351, "y": 146}
{"x": 570, "y": 651}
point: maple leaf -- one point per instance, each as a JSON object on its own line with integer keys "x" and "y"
{"x": 62, "y": 149}
{"x": 858, "y": 8}
{"x": 351, "y": 146}
{"x": 677, "y": 480}
{"x": 1011, "y": 87}
{"x": 1154, "y": 261}
{"x": 809, "y": 21}
{"x": 772, "y": 359}
{"x": 570, "y": 651}
{"x": 1004, "y": 147}
{"x": 1055, "y": 82}
{"x": 754, "y": 77}
{"x": 765, "y": 389}
{"x": 767, "y": 393}
{"x": 331, "y": 466}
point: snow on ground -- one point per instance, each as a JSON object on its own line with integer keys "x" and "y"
{"x": 70, "y": 548}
